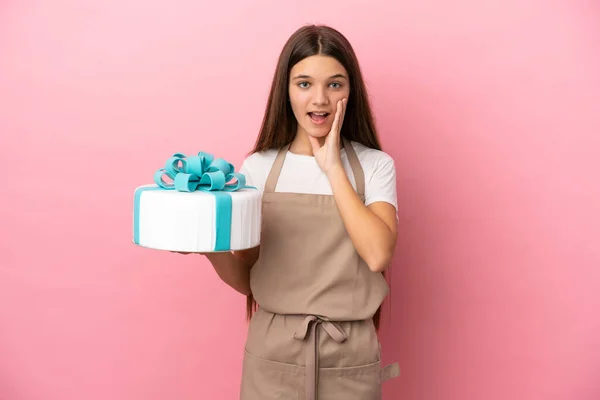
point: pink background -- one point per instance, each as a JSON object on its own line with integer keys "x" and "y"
{"x": 490, "y": 109}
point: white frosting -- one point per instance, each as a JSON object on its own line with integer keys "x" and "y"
{"x": 185, "y": 221}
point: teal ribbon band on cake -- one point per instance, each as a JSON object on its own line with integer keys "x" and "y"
{"x": 203, "y": 173}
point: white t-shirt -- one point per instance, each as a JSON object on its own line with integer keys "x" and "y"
{"x": 302, "y": 174}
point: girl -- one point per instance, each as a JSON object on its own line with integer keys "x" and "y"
{"x": 315, "y": 284}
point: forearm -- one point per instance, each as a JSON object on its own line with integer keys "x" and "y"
{"x": 233, "y": 269}
{"x": 373, "y": 239}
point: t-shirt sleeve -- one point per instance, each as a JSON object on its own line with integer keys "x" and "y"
{"x": 245, "y": 170}
{"x": 381, "y": 185}
{"x": 250, "y": 168}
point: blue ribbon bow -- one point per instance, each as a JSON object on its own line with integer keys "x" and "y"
{"x": 201, "y": 172}
{"x": 204, "y": 173}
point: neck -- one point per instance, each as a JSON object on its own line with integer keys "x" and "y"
{"x": 301, "y": 144}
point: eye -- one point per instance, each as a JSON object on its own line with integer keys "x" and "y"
{"x": 336, "y": 85}
{"x": 303, "y": 84}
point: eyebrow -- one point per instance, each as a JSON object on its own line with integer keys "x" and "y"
{"x": 331, "y": 77}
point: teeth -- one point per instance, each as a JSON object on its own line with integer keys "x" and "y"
{"x": 321, "y": 114}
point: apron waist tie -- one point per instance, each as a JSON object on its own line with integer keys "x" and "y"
{"x": 309, "y": 328}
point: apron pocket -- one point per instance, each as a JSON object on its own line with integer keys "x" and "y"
{"x": 263, "y": 379}
{"x": 351, "y": 383}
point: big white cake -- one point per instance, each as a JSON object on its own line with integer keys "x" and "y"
{"x": 188, "y": 216}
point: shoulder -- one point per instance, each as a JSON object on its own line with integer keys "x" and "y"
{"x": 373, "y": 160}
{"x": 256, "y": 166}
{"x": 380, "y": 175}
{"x": 259, "y": 159}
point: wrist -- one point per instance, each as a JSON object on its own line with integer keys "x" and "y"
{"x": 336, "y": 172}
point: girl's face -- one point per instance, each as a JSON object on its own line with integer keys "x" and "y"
{"x": 316, "y": 84}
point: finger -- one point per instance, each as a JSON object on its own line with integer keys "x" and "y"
{"x": 342, "y": 115}
{"x": 336, "y": 119}
{"x": 345, "y": 106}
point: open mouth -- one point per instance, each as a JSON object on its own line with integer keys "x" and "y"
{"x": 318, "y": 118}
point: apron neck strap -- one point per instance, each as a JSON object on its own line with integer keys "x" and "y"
{"x": 276, "y": 169}
{"x": 359, "y": 176}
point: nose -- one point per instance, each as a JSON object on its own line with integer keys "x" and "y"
{"x": 321, "y": 98}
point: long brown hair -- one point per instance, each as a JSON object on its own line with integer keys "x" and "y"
{"x": 279, "y": 125}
